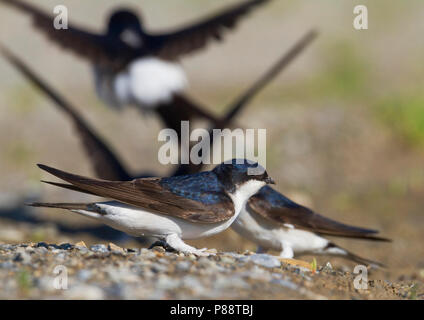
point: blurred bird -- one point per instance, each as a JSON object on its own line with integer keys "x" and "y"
{"x": 104, "y": 160}
{"x": 134, "y": 67}
{"x": 275, "y": 222}
{"x": 170, "y": 209}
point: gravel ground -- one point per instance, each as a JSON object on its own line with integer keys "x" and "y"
{"x": 37, "y": 271}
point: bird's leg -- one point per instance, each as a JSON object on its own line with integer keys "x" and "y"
{"x": 261, "y": 249}
{"x": 178, "y": 244}
{"x": 287, "y": 252}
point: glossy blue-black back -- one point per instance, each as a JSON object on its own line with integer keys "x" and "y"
{"x": 275, "y": 198}
{"x": 203, "y": 187}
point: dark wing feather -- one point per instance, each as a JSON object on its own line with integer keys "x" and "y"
{"x": 303, "y": 218}
{"x": 149, "y": 194}
{"x": 104, "y": 162}
{"x": 182, "y": 109}
{"x": 96, "y": 48}
{"x": 270, "y": 74}
{"x": 235, "y": 108}
{"x": 196, "y": 36}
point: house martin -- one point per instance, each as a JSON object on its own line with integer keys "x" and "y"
{"x": 135, "y": 67}
{"x": 105, "y": 162}
{"x": 171, "y": 209}
{"x": 274, "y": 222}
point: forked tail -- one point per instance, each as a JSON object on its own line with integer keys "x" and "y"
{"x": 335, "y": 250}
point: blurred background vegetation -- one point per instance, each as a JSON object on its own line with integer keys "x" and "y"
{"x": 345, "y": 122}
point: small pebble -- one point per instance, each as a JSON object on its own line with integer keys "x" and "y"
{"x": 227, "y": 260}
{"x": 264, "y": 260}
{"x": 42, "y": 245}
{"x": 84, "y": 275}
{"x": 183, "y": 266}
{"x": 114, "y": 248}
{"x": 85, "y": 292}
{"x": 99, "y": 248}
{"x": 159, "y": 268}
{"x": 81, "y": 244}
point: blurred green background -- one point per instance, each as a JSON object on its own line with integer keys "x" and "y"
{"x": 345, "y": 122}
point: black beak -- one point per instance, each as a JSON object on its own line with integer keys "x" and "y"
{"x": 269, "y": 180}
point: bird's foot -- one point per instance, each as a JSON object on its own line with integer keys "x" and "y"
{"x": 204, "y": 252}
{"x": 199, "y": 252}
{"x": 178, "y": 244}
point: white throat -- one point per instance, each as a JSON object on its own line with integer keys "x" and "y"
{"x": 244, "y": 192}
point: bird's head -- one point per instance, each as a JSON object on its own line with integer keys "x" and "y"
{"x": 241, "y": 175}
{"x": 125, "y": 24}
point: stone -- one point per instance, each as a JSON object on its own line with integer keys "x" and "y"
{"x": 81, "y": 244}
{"x": 183, "y": 266}
{"x": 264, "y": 260}
{"x": 85, "y": 292}
{"x": 115, "y": 249}
{"x": 99, "y": 248}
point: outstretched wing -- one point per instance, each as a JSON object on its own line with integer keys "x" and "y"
{"x": 103, "y": 159}
{"x": 196, "y": 36}
{"x": 273, "y": 206}
{"x": 153, "y": 195}
{"x": 270, "y": 74}
{"x": 181, "y": 108}
{"x": 240, "y": 102}
{"x": 96, "y": 48}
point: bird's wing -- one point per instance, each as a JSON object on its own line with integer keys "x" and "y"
{"x": 181, "y": 108}
{"x": 196, "y": 36}
{"x": 240, "y": 102}
{"x": 290, "y": 213}
{"x": 103, "y": 159}
{"x": 96, "y": 48}
{"x": 269, "y": 75}
{"x": 152, "y": 195}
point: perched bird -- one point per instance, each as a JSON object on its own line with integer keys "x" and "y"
{"x": 134, "y": 67}
{"x": 105, "y": 162}
{"x": 275, "y": 222}
{"x": 170, "y": 209}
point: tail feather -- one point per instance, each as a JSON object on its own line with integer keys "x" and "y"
{"x": 89, "y": 210}
{"x": 335, "y": 250}
{"x": 68, "y": 206}
{"x": 68, "y": 186}
{"x": 368, "y": 237}
{"x": 364, "y": 261}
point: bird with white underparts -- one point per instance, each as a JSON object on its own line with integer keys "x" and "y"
{"x": 275, "y": 222}
{"x": 106, "y": 163}
{"x": 170, "y": 209}
{"x": 135, "y": 67}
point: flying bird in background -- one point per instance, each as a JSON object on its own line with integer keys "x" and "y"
{"x": 105, "y": 162}
{"x": 135, "y": 67}
{"x": 171, "y": 209}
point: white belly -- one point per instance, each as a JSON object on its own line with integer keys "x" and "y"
{"x": 272, "y": 236}
{"x": 138, "y": 222}
{"x": 146, "y": 83}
